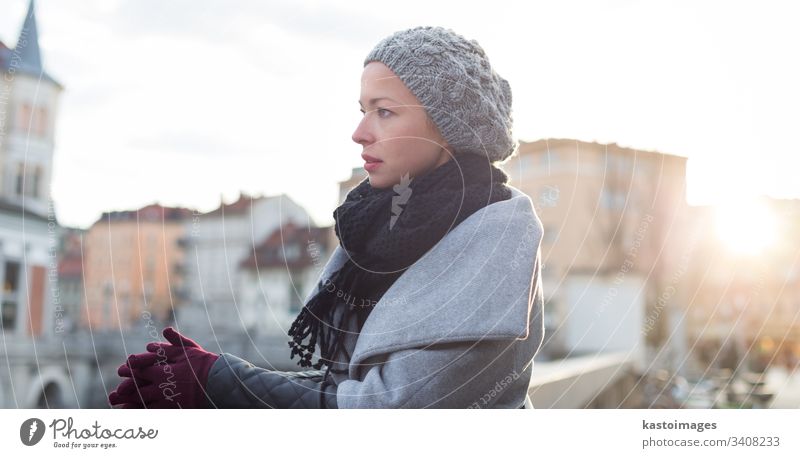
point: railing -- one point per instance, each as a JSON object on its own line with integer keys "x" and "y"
{"x": 585, "y": 381}
{"x": 575, "y": 383}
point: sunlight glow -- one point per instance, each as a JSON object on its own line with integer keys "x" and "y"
{"x": 746, "y": 227}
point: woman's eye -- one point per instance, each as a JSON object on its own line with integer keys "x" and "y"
{"x": 382, "y": 112}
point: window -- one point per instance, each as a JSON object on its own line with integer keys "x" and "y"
{"x": 32, "y": 120}
{"x": 40, "y": 126}
{"x": 35, "y": 181}
{"x": 24, "y": 117}
{"x": 11, "y": 283}
{"x": 20, "y": 179}
{"x": 292, "y": 252}
{"x": 618, "y": 164}
{"x": 8, "y": 315}
{"x": 549, "y": 157}
{"x": 612, "y": 199}
{"x": 526, "y": 162}
{"x": 30, "y": 185}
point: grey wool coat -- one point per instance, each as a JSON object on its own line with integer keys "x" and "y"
{"x": 458, "y": 329}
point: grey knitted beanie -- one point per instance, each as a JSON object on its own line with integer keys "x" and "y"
{"x": 453, "y": 79}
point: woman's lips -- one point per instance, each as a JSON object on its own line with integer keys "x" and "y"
{"x": 370, "y": 163}
{"x": 371, "y": 166}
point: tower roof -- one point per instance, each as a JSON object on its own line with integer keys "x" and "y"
{"x": 26, "y": 57}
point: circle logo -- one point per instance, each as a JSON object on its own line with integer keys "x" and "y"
{"x": 31, "y": 431}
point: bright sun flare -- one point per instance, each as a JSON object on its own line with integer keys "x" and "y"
{"x": 746, "y": 227}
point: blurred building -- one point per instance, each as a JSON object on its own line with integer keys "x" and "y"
{"x": 133, "y": 267}
{"x": 614, "y": 218}
{"x": 68, "y": 302}
{"x": 613, "y": 222}
{"x": 280, "y": 274}
{"x": 357, "y": 175}
{"x": 28, "y": 228}
{"x": 217, "y": 242}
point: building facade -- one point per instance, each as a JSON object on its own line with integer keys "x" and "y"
{"x": 279, "y": 275}
{"x": 614, "y": 220}
{"x": 29, "y": 99}
{"x": 133, "y": 267}
{"x": 216, "y": 244}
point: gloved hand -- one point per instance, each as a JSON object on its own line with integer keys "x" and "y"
{"x": 127, "y": 394}
{"x": 170, "y": 375}
{"x": 132, "y": 392}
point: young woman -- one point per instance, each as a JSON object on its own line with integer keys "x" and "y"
{"x": 433, "y": 296}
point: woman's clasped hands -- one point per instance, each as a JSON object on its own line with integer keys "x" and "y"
{"x": 170, "y": 375}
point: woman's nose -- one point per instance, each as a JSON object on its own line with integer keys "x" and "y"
{"x": 362, "y": 135}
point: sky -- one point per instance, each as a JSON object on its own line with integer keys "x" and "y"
{"x": 189, "y": 102}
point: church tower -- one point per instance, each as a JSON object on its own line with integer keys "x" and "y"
{"x": 28, "y": 228}
{"x": 28, "y": 105}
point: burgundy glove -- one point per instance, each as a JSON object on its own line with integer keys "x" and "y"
{"x": 170, "y": 375}
{"x": 127, "y": 394}
{"x": 131, "y": 393}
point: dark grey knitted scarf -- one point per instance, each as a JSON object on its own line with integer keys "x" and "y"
{"x": 385, "y": 231}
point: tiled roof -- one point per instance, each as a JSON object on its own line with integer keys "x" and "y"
{"x": 291, "y": 246}
{"x": 152, "y": 212}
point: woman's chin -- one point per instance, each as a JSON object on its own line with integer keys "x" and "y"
{"x": 378, "y": 182}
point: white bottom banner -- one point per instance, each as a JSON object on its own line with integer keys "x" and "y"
{"x": 228, "y": 433}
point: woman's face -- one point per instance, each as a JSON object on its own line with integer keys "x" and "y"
{"x": 395, "y": 130}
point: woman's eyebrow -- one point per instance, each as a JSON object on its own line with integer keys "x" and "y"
{"x": 372, "y": 101}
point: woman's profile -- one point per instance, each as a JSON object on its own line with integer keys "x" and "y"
{"x": 432, "y": 298}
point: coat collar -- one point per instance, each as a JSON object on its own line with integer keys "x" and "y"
{"x": 477, "y": 282}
